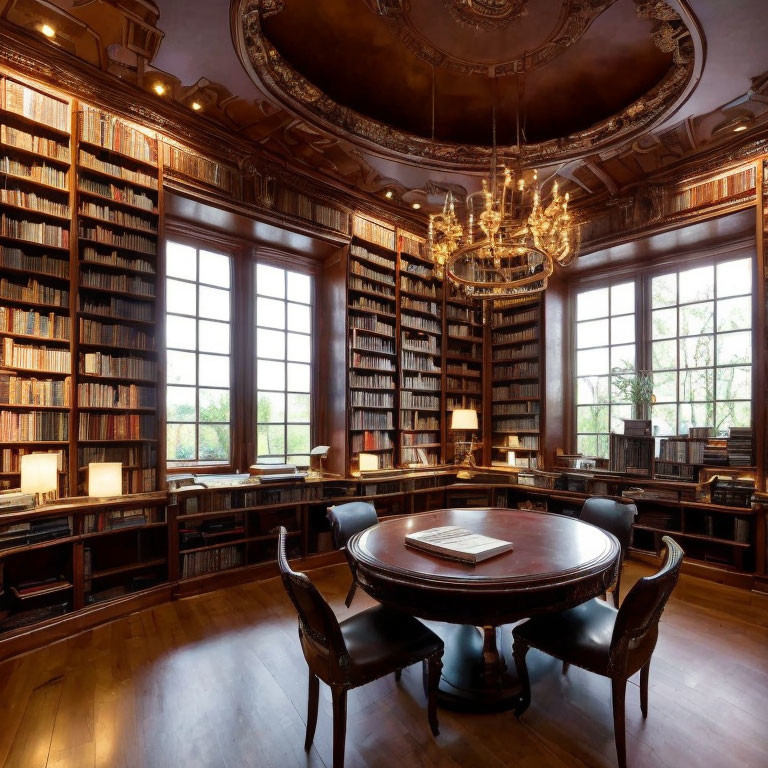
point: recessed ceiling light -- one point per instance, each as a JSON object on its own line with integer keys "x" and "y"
{"x": 159, "y": 89}
{"x": 48, "y": 30}
{"x": 197, "y": 106}
{"x": 388, "y": 194}
{"x": 416, "y": 206}
{"x": 740, "y": 128}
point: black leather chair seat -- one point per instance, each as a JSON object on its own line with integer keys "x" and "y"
{"x": 581, "y": 635}
{"x": 382, "y": 636}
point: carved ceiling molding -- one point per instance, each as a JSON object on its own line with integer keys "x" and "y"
{"x": 276, "y": 77}
{"x": 573, "y": 21}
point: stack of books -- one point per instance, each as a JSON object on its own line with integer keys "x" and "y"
{"x": 739, "y": 447}
{"x": 716, "y": 453}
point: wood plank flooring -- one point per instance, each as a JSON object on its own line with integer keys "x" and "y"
{"x": 218, "y": 681}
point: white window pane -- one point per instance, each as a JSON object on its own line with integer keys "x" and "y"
{"x": 299, "y": 318}
{"x": 592, "y": 362}
{"x": 664, "y": 354}
{"x": 180, "y": 404}
{"x": 593, "y": 333}
{"x": 270, "y": 375}
{"x": 214, "y": 268}
{"x": 592, "y": 389}
{"x": 697, "y": 284}
{"x": 270, "y": 344}
{"x": 697, "y": 318}
{"x": 695, "y": 415}
{"x": 618, "y": 414}
{"x": 270, "y": 281}
{"x": 734, "y": 278}
{"x": 734, "y": 383}
{"x": 297, "y": 438}
{"x": 299, "y": 287}
{"x": 299, "y": 408}
{"x": 730, "y": 414}
{"x": 270, "y": 313}
{"x": 301, "y": 460}
{"x": 664, "y": 291}
{"x": 592, "y": 418}
{"x": 181, "y": 368}
{"x": 214, "y": 371}
{"x": 214, "y": 337}
{"x": 180, "y": 442}
{"x": 271, "y": 407}
{"x": 214, "y": 442}
{"x": 180, "y": 332}
{"x": 734, "y": 314}
{"x": 697, "y": 385}
{"x": 623, "y": 329}
{"x": 180, "y": 261}
{"x": 270, "y": 439}
{"x": 665, "y": 386}
{"x": 663, "y": 323}
{"x": 298, "y": 377}
{"x": 734, "y": 348}
{"x": 214, "y": 405}
{"x": 214, "y": 303}
{"x": 299, "y": 347}
{"x": 592, "y": 304}
{"x": 664, "y": 419}
{"x": 622, "y": 298}
{"x": 623, "y": 358}
{"x": 697, "y": 352}
{"x": 181, "y": 297}
{"x": 587, "y": 445}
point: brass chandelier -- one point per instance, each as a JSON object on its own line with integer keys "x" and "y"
{"x": 511, "y": 239}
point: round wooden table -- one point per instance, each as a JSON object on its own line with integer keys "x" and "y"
{"x": 557, "y": 562}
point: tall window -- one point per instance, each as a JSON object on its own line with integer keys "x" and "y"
{"x": 701, "y": 348}
{"x": 605, "y": 352}
{"x": 283, "y": 365}
{"x": 198, "y": 350}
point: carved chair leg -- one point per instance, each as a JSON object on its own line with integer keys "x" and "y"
{"x": 519, "y": 651}
{"x": 350, "y": 594}
{"x": 339, "y": 696}
{"x": 644, "y": 672}
{"x": 618, "y": 689}
{"x": 312, "y": 699}
{"x": 434, "y": 666}
{"x": 566, "y": 664}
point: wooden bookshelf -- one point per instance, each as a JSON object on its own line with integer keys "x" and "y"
{"x": 118, "y": 178}
{"x": 372, "y": 342}
{"x": 421, "y": 423}
{"x": 36, "y": 298}
{"x": 515, "y": 380}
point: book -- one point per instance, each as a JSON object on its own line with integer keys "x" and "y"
{"x": 456, "y": 543}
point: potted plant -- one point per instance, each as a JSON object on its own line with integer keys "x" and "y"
{"x": 638, "y": 389}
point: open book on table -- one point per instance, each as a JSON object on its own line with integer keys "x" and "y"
{"x": 456, "y": 543}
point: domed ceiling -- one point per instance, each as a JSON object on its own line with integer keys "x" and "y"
{"x": 420, "y": 79}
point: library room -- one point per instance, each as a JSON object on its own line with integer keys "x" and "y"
{"x": 383, "y": 383}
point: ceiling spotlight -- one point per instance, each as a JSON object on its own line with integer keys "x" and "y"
{"x": 197, "y": 106}
{"x": 389, "y": 194}
{"x": 416, "y": 206}
{"x": 159, "y": 89}
{"x": 48, "y": 30}
{"x": 740, "y": 128}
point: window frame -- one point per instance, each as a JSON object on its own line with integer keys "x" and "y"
{"x": 642, "y": 277}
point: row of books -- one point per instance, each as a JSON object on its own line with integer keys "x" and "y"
{"x": 431, "y": 307}
{"x": 122, "y": 518}
{"x": 504, "y": 318}
{"x": 419, "y": 323}
{"x": 371, "y": 441}
{"x": 515, "y": 391}
{"x": 89, "y": 161}
{"x": 516, "y": 353}
{"x": 195, "y": 166}
{"x": 40, "y": 145}
{"x": 207, "y": 561}
{"x": 116, "y": 216}
{"x": 295, "y": 203}
{"x": 419, "y": 362}
{"x": 373, "y": 344}
{"x": 363, "y": 270}
{"x": 123, "y": 283}
{"x": 360, "y": 398}
{"x": 411, "y": 246}
{"x": 508, "y": 409}
{"x": 91, "y": 256}
{"x": 371, "y": 420}
{"x": 117, "y": 426}
{"x": 512, "y": 337}
{"x": 132, "y": 241}
{"x": 15, "y": 258}
{"x": 110, "y": 132}
{"x": 359, "y": 252}
{"x": 373, "y": 232}
{"x": 462, "y": 385}
{"x": 370, "y": 323}
{"x": 17, "y": 390}
{"x": 36, "y": 106}
{"x": 139, "y": 480}
{"x": 94, "y": 395}
{"x": 33, "y": 426}
{"x": 413, "y": 268}
{"x": 101, "y": 364}
{"x": 361, "y": 284}
{"x": 682, "y": 451}
{"x": 372, "y": 361}
{"x": 374, "y": 381}
{"x": 40, "y": 232}
{"x": 10, "y": 458}
{"x": 41, "y": 172}
{"x": 452, "y": 403}
{"x": 516, "y": 371}
{"x": 462, "y": 314}
{"x": 420, "y": 438}
{"x": 129, "y": 455}
{"x": 33, "y": 291}
{"x": 419, "y": 382}
{"x": 518, "y": 423}
{"x": 33, "y": 323}
{"x": 718, "y": 189}
{"x": 419, "y": 288}
{"x": 35, "y": 358}
{"x": 364, "y": 302}
{"x": 120, "y": 194}
{"x": 411, "y": 420}
{"x": 419, "y": 402}
{"x": 417, "y": 343}
{"x": 33, "y": 201}
{"x": 464, "y": 331}
{"x": 95, "y": 332}
{"x": 124, "y": 309}
{"x": 740, "y": 447}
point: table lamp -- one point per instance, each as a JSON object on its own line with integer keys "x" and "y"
{"x": 464, "y": 420}
{"x": 40, "y": 476}
{"x": 367, "y": 462}
{"x": 105, "y": 479}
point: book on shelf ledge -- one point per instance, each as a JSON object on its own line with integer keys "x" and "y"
{"x": 453, "y": 542}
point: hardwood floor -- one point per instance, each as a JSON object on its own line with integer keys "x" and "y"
{"x": 219, "y": 681}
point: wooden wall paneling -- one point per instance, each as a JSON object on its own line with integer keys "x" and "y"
{"x": 243, "y": 392}
{"x": 160, "y": 340}
{"x": 759, "y": 324}
{"x": 557, "y": 375}
{"x": 487, "y": 384}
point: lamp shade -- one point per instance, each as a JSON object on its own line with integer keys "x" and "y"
{"x": 368, "y": 462}
{"x": 105, "y": 479}
{"x": 511, "y": 458}
{"x": 39, "y": 473}
{"x": 464, "y": 418}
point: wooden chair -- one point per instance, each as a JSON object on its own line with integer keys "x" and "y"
{"x": 346, "y": 520}
{"x": 616, "y": 517}
{"x": 609, "y": 642}
{"x": 356, "y": 651}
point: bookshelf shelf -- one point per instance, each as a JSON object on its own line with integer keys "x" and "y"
{"x": 35, "y": 211}
{"x": 14, "y": 177}
{"x": 6, "y": 146}
{"x": 9, "y": 114}
{"x": 34, "y": 244}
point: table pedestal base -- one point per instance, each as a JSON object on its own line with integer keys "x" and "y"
{"x": 479, "y": 674}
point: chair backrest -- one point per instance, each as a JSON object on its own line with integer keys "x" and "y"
{"x": 637, "y": 621}
{"x": 347, "y": 519}
{"x": 316, "y": 619}
{"x": 611, "y": 515}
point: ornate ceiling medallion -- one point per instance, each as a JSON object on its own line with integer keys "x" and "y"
{"x": 292, "y": 90}
{"x": 487, "y": 14}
